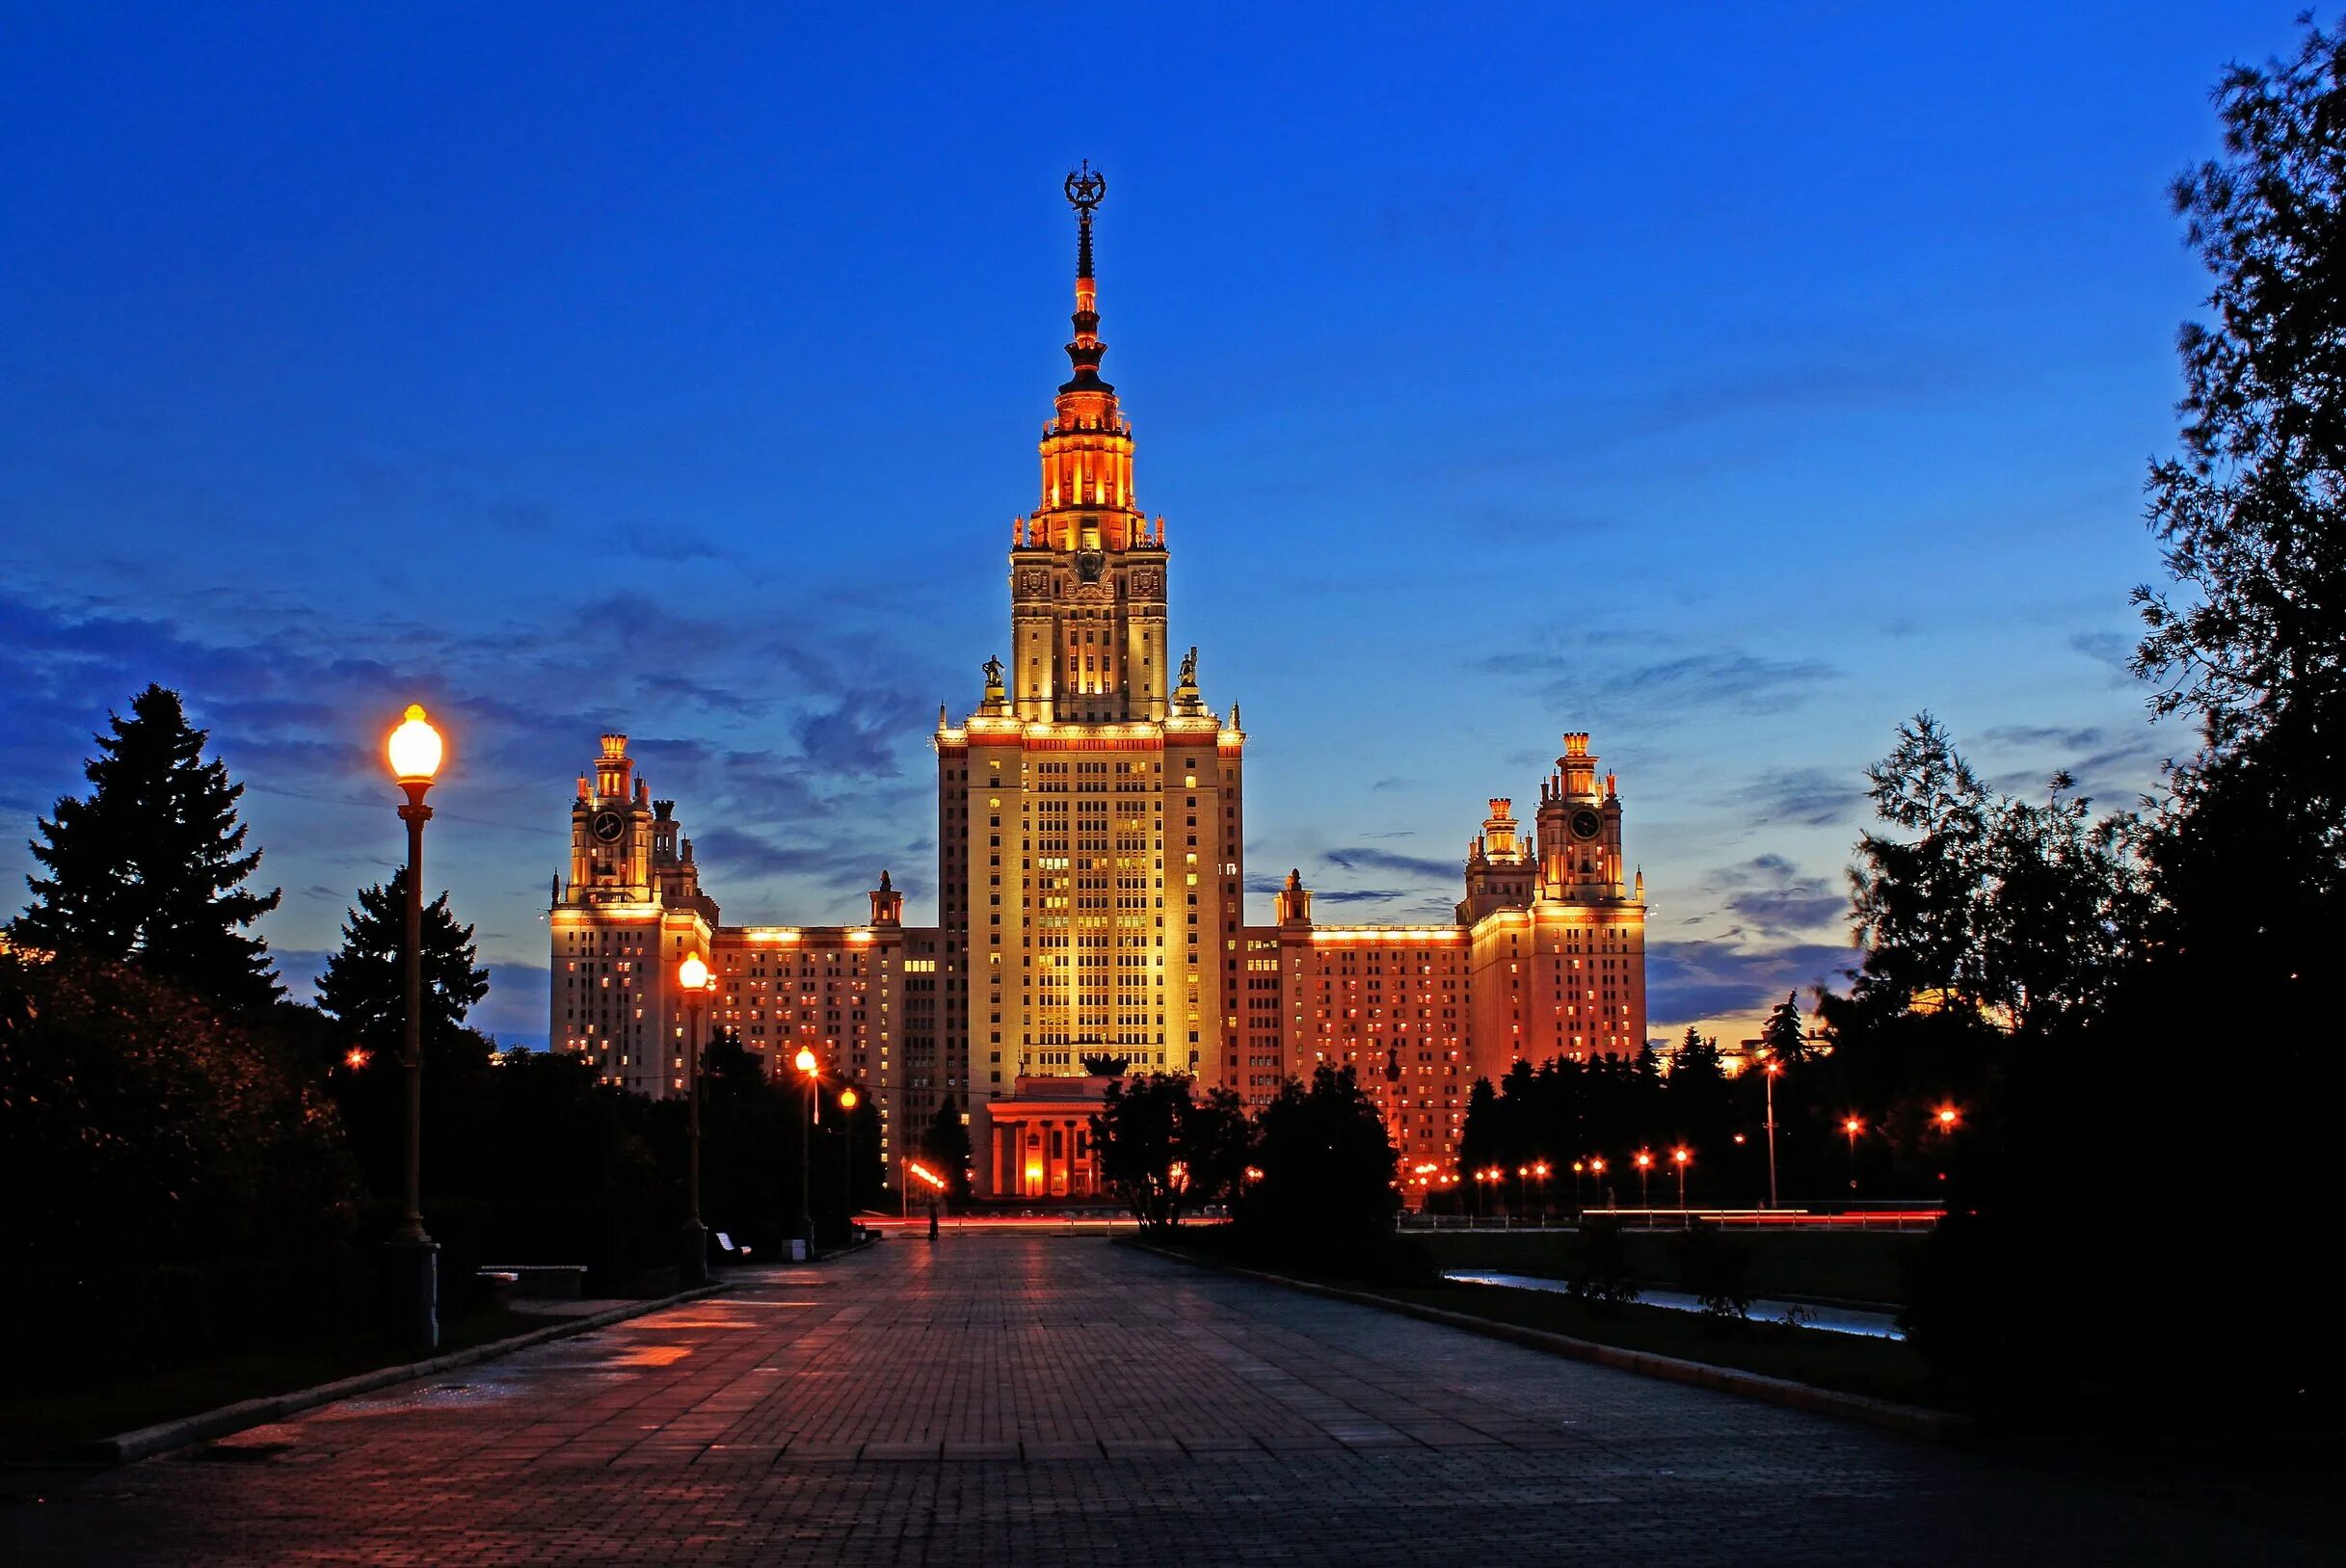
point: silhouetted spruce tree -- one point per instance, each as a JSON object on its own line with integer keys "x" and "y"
{"x": 150, "y": 866}
{"x": 364, "y": 986}
{"x": 1784, "y": 1037}
{"x": 1700, "y": 1105}
{"x": 947, "y": 1143}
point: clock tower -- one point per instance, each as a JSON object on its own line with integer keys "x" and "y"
{"x": 1557, "y": 966}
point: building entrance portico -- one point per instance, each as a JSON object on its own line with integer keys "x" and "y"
{"x": 1036, "y": 1141}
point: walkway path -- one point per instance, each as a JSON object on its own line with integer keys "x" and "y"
{"x": 1028, "y": 1402}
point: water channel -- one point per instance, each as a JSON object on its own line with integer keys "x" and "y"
{"x": 1872, "y": 1325}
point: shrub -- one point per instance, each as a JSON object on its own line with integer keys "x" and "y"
{"x": 1598, "y": 1271}
{"x": 1715, "y": 1272}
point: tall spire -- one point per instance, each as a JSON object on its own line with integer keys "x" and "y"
{"x": 1085, "y": 186}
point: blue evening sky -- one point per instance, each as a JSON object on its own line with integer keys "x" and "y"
{"x": 1730, "y": 382}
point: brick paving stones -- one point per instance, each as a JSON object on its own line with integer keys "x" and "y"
{"x": 1022, "y": 1401}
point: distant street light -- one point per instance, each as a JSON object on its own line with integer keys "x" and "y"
{"x": 848, "y": 1100}
{"x": 693, "y": 980}
{"x": 1645, "y": 1168}
{"x": 1596, "y": 1168}
{"x": 1681, "y": 1158}
{"x": 1772, "y": 1069}
{"x": 414, "y": 749}
{"x": 1490, "y": 1178}
{"x": 805, "y": 1064}
{"x": 1853, "y": 1127}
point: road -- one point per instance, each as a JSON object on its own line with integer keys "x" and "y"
{"x": 1028, "y": 1401}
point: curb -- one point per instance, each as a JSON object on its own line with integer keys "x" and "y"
{"x": 126, "y": 1448}
{"x": 1910, "y": 1420}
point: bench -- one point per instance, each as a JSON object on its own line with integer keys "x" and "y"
{"x": 537, "y": 1281}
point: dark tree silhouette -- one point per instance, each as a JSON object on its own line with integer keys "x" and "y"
{"x": 1784, "y": 1037}
{"x": 946, "y": 1142}
{"x": 150, "y": 866}
{"x": 363, "y": 987}
{"x": 1163, "y": 1150}
{"x": 1326, "y": 1195}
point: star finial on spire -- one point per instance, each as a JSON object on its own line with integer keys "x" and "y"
{"x": 1085, "y": 187}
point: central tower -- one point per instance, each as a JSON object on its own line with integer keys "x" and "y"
{"x": 1087, "y": 578}
{"x": 1089, "y": 816}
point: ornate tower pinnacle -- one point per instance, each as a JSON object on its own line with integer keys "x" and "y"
{"x": 1085, "y": 187}
{"x": 1086, "y": 502}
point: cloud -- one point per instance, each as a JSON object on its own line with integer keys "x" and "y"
{"x": 1802, "y": 797}
{"x": 2044, "y": 735}
{"x": 515, "y": 1009}
{"x": 1773, "y": 910}
{"x": 294, "y": 696}
{"x": 1364, "y": 895}
{"x": 1363, "y": 857}
{"x": 1771, "y": 895}
{"x": 2113, "y": 650}
{"x": 1687, "y": 982}
{"x": 1584, "y": 678}
{"x": 861, "y": 735}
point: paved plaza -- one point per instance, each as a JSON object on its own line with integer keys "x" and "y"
{"x": 1025, "y": 1400}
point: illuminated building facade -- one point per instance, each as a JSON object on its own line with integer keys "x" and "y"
{"x": 1090, "y": 810}
{"x": 631, "y": 911}
{"x": 1545, "y": 957}
{"x": 1090, "y": 818}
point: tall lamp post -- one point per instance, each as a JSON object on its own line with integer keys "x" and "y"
{"x": 415, "y": 749}
{"x": 1645, "y": 1171}
{"x": 1853, "y": 1127}
{"x": 1682, "y": 1156}
{"x": 692, "y": 978}
{"x": 1772, "y": 1069}
{"x": 848, "y": 1100}
{"x": 1596, "y": 1168}
{"x": 807, "y": 1069}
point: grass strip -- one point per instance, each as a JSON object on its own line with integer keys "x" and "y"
{"x": 60, "y": 1425}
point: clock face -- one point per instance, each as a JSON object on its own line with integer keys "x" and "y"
{"x": 607, "y": 826}
{"x": 1585, "y": 824}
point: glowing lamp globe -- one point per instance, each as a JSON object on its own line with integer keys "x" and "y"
{"x": 804, "y": 1061}
{"x": 848, "y": 1099}
{"x": 415, "y": 747}
{"x": 692, "y": 974}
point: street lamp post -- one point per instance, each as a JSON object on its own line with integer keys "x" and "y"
{"x": 1596, "y": 1168}
{"x": 415, "y": 749}
{"x": 1853, "y": 1127}
{"x": 692, "y": 1250}
{"x": 805, "y": 1064}
{"x": 848, "y": 1098}
{"x": 1682, "y": 1156}
{"x": 1579, "y": 1192}
{"x": 1645, "y": 1170}
{"x": 1772, "y": 1069}
{"x": 1539, "y": 1174}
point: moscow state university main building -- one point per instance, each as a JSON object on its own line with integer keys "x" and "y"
{"x": 1091, "y": 878}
